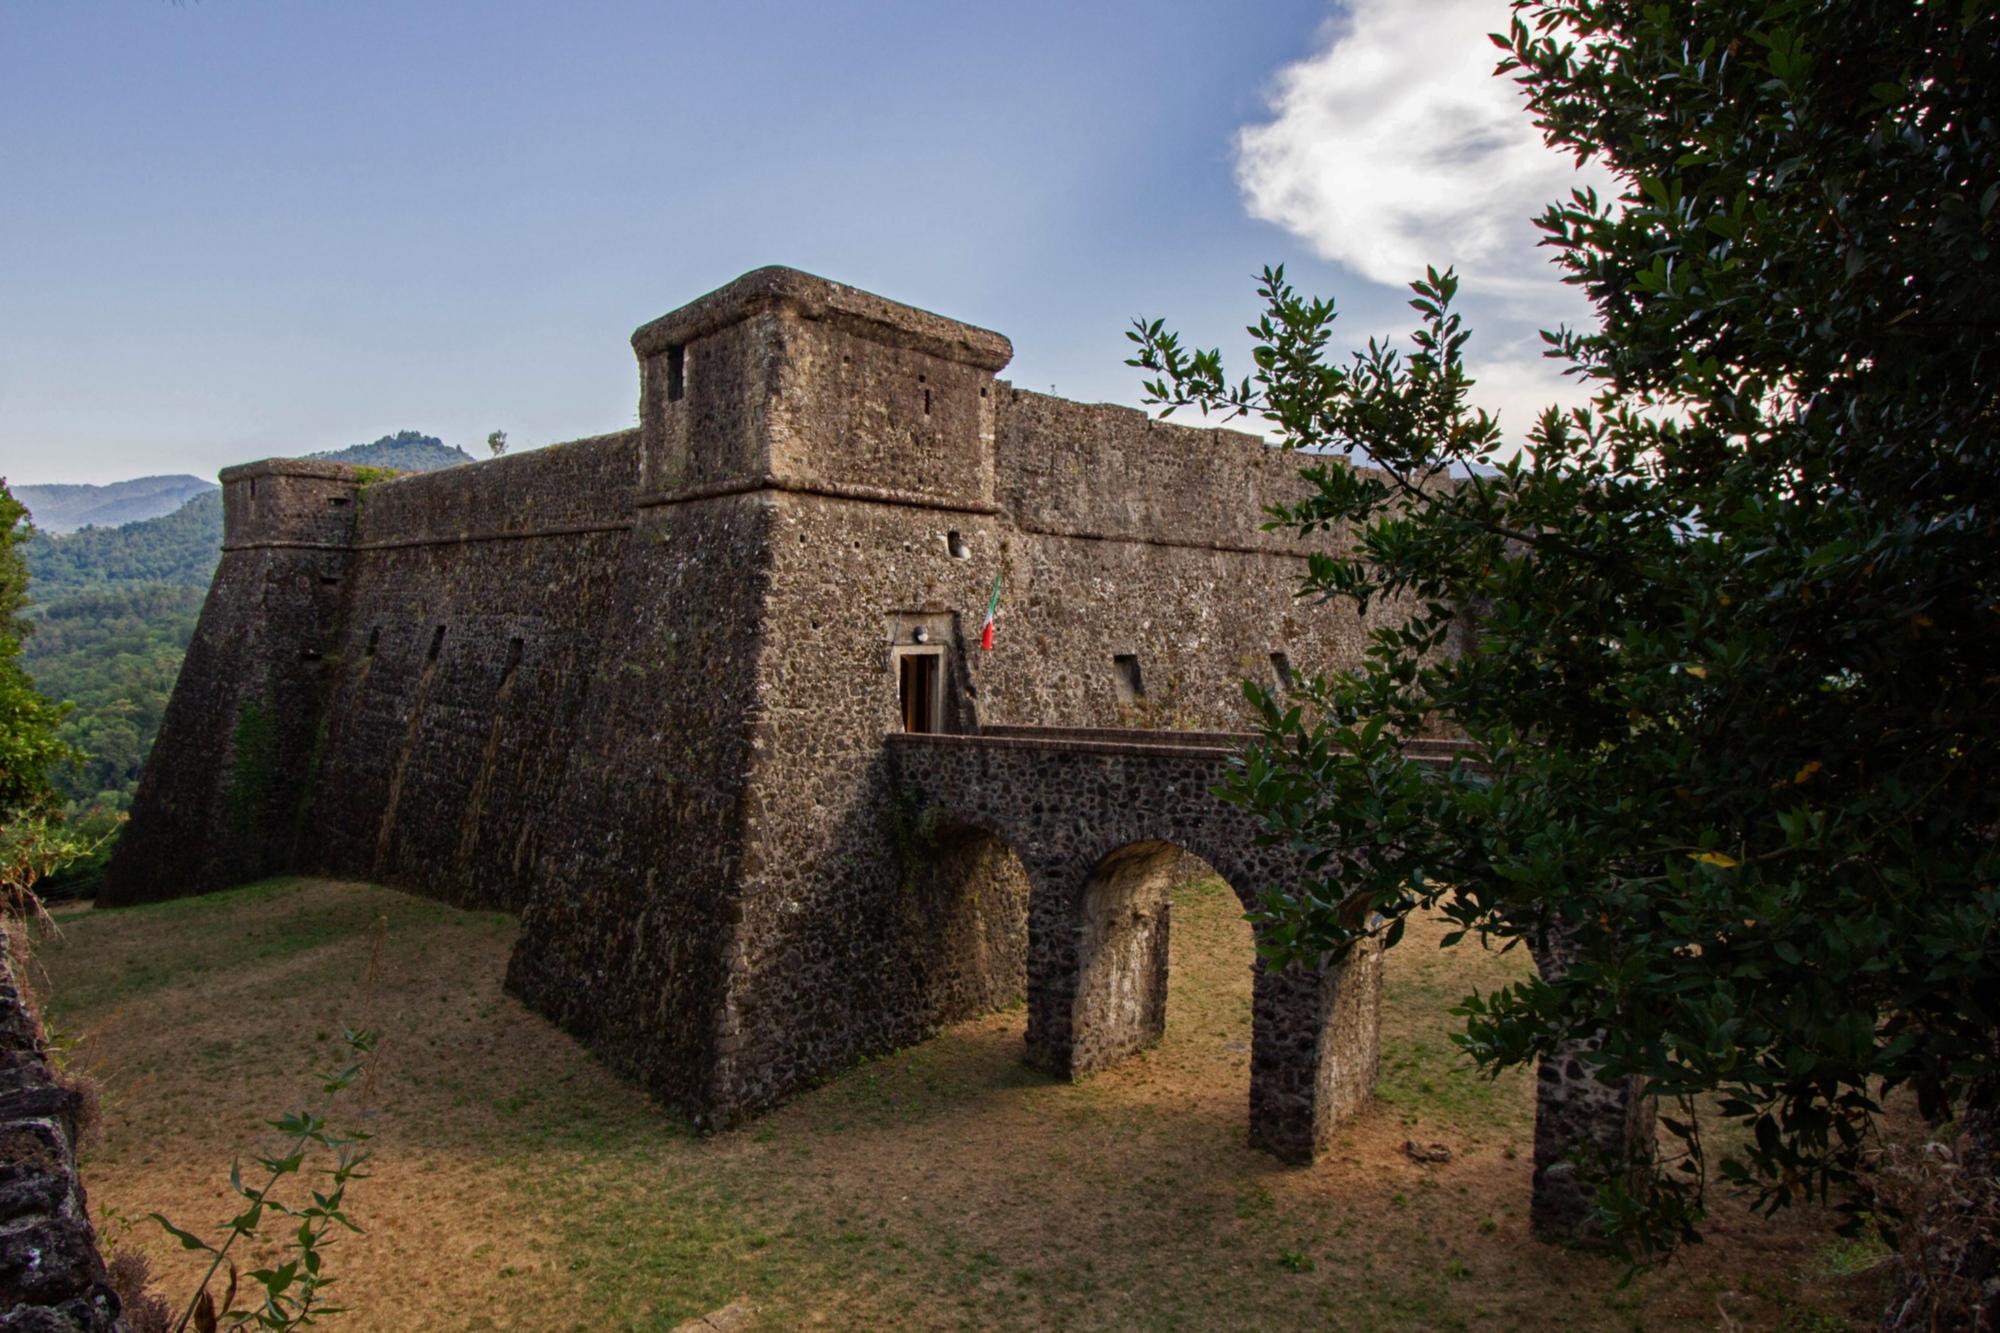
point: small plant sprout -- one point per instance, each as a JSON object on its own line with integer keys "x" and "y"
{"x": 292, "y": 1291}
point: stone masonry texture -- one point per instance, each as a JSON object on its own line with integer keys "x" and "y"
{"x": 52, "y": 1278}
{"x": 645, "y": 690}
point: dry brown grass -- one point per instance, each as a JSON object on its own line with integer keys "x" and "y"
{"x": 519, "y": 1185}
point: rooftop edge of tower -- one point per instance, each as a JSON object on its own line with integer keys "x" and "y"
{"x": 865, "y": 313}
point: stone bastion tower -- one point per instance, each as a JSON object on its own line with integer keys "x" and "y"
{"x": 704, "y": 702}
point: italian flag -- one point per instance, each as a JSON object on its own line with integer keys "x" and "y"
{"x": 986, "y": 630}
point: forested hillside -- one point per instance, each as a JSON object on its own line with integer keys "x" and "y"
{"x": 178, "y": 549}
{"x": 405, "y": 451}
{"x": 113, "y": 653}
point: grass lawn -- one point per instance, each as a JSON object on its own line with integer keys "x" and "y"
{"x": 519, "y": 1185}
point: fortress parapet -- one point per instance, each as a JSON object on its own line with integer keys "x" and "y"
{"x": 290, "y": 504}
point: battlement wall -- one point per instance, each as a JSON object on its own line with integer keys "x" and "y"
{"x": 1103, "y": 471}
{"x": 471, "y": 627}
{"x": 296, "y": 502}
{"x": 585, "y": 484}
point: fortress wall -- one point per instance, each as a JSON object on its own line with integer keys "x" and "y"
{"x": 856, "y": 411}
{"x": 845, "y": 930}
{"x": 781, "y": 375}
{"x": 582, "y": 483}
{"x": 636, "y": 687}
{"x": 631, "y": 927}
{"x": 1139, "y": 537}
{"x": 469, "y": 634}
{"x": 1098, "y": 470}
{"x": 855, "y": 928}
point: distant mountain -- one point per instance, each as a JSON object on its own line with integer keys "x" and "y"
{"x": 406, "y": 451}
{"x": 59, "y": 509}
{"x": 178, "y": 550}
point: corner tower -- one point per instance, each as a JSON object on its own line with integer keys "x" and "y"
{"x": 226, "y": 786}
{"x": 784, "y": 381}
{"x": 719, "y": 849}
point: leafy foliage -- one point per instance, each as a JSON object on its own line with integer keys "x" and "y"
{"x": 293, "y": 1292}
{"x": 119, "y": 607}
{"x": 1734, "y": 679}
{"x": 29, "y": 746}
{"x": 114, "y": 656}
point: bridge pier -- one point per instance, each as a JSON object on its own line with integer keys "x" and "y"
{"x": 1578, "y": 1116}
{"x": 1314, "y": 1052}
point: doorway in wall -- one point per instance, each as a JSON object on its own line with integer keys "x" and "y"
{"x": 922, "y": 684}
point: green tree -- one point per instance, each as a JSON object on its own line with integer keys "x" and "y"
{"x": 29, "y": 746}
{"x": 32, "y": 844}
{"x": 1735, "y": 679}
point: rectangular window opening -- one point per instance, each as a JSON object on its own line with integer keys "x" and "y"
{"x": 514, "y": 650}
{"x": 1281, "y": 667}
{"x": 676, "y": 374}
{"x": 374, "y": 638}
{"x": 921, "y": 679}
{"x": 437, "y": 644}
{"x": 1125, "y": 674}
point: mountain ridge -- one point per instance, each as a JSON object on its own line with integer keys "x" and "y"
{"x": 61, "y": 508}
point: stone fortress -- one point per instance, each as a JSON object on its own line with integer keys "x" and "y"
{"x": 704, "y": 703}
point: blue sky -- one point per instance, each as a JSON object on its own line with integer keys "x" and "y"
{"x": 239, "y": 228}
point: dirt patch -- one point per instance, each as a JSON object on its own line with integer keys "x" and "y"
{"x": 518, "y": 1185}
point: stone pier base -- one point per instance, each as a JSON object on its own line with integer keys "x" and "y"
{"x": 1578, "y": 1118}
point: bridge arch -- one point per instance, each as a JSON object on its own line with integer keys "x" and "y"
{"x": 1097, "y": 820}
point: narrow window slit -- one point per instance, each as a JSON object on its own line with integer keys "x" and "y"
{"x": 1281, "y": 667}
{"x": 374, "y": 638}
{"x": 437, "y": 644}
{"x": 676, "y": 373}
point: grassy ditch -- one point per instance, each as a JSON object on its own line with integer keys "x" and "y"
{"x": 518, "y": 1185}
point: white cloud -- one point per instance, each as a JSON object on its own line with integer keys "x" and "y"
{"x": 1397, "y": 147}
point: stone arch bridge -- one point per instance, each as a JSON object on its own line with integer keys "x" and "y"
{"x": 1099, "y": 819}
